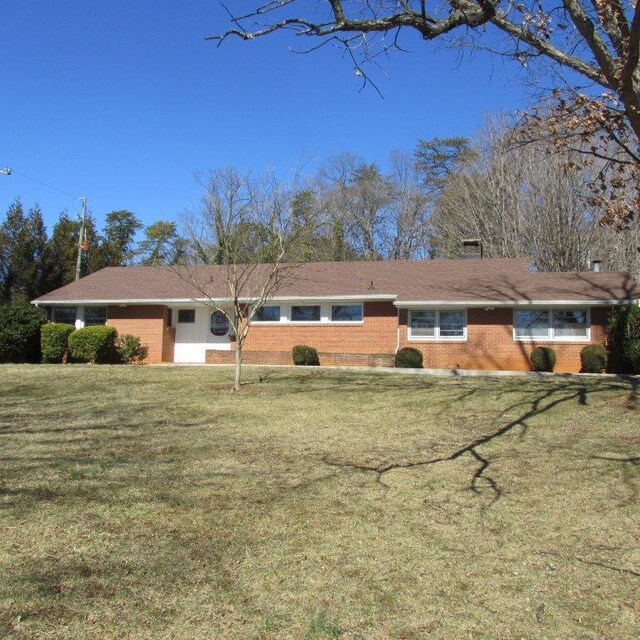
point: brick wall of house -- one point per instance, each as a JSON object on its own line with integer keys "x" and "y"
{"x": 376, "y": 334}
{"x": 490, "y": 344}
{"x": 147, "y": 322}
{"x": 168, "y": 344}
{"x": 284, "y": 357}
{"x": 371, "y": 343}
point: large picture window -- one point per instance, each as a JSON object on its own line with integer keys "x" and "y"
{"x": 433, "y": 324}
{"x": 551, "y": 324}
{"x": 422, "y": 324}
{"x": 532, "y": 323}
{"x": 306, "y": 313}
{"x": 571, "y": 323}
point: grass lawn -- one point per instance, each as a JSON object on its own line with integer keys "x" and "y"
{"x": 152, "y": 502}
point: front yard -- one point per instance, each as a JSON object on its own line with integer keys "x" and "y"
{"x": 151, "y": 502}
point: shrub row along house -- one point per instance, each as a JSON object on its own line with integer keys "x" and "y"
{"x": 468, "y": 314}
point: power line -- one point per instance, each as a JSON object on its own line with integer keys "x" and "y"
{"x": 46, "y": 184}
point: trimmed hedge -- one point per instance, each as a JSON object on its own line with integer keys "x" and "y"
{"x": 20, "y": 325}
{"x": 54, "y": 340}
{"x": 543, "y": 359}
{"x": 93, "y": 344}
{"x": 593, "y": 358}
{"x": 305, "y": 356}
{"x": 408, "y": 358}
{"x": 130, "y": 349}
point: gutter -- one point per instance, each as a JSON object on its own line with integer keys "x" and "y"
{"x": 412, "y": 304}
{"x": 206, "y": 301}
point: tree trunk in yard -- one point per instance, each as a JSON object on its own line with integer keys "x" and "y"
{"x": 236, "y": 383}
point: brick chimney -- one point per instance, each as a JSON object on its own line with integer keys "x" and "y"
{"x": 472, "y": 249}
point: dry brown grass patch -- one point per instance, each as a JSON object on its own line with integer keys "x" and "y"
{"x": 140, "y": 502}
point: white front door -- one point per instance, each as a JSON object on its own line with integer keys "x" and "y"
{"x": 199, "y": 329}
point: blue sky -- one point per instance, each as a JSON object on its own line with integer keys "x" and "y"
{"x": 123, "y": 102}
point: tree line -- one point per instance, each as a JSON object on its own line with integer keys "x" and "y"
{"x": 32, "y": 262}
{"x": 522, "y": 200}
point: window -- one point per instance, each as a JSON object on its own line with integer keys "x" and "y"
{"x": 346, "y": 313}
{"x": 422, "y": 324}
{"x": 451, "y": 324}
{"x": 532, "y": 323}
{"x": 570, "y": 323}
{"x": 551, "y": 324}
{"x": 219, "y": 324}
{"x": 437, "y": 325}
{"x": 186, "y": 315}
{"x": 305, "y": 314}
{"x": 267, "y": 314}
{"x": 67, "y": 315}
{"x": 94, "y": 316}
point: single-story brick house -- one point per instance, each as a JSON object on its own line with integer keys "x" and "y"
{"x": 480, "y": 314}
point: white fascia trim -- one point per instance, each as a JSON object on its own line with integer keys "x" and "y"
{"x": 412, "y": 304}
{"x": 206, "y": 301}
{"x": 167, "y": 301}
{"x": 358, "y": 298}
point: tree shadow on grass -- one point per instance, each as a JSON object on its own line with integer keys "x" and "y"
{"x": 540, "y": 399}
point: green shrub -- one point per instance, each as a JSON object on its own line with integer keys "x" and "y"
{"x": 633, "y": 353}
{"x": 593, "y": 358}
{"x": 409, "y": 358}
{"x": 623, "y": 331}
{"x": 303, "y": 355}
{"x": 55, "y": 341}
{"x": 543, "y": 359}
{"x": 20, "y": 324}
{"x": 130, "y": 349}
{"x": 93, "y": 344}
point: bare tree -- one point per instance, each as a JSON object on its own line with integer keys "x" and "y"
{"x": 407, "y": 234}
{"x": 243, "y": 225}
{"x": 526, "y": 201}
{"x": 383, "y": 214}
{"x": 595, "y": 41}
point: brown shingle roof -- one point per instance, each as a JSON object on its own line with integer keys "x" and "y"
{"x": 479, "y": 281}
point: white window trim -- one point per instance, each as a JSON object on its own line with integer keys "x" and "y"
{"x": 268, "y": 322}
{"x": 346, "y": 304}
{"x": 437, "y": 337}
{"x": 551, "y": 337}
{"x": 325, "y": 315}
{"x": 185, "y": 309}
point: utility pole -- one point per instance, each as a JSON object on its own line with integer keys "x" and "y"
{"x": 82, "y": 236}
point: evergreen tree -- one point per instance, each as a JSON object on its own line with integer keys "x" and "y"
{"x": 116, "y": 246}
{"x": 23, "y": 245}
{"x": 161, "y": 245}
{"x": 62, "y": 252}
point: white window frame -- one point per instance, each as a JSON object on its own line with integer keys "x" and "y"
{"x": 551, "y": 337}
{"x": 326, "y": 310}
{"x": 258, "y": 321}
{"x": 84, "y": 316}
{"x": 437, "y": 337}
{"x": 178, "y": 321}
{"x": 78, "y": 315}
{"x": 346, "y": 304}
